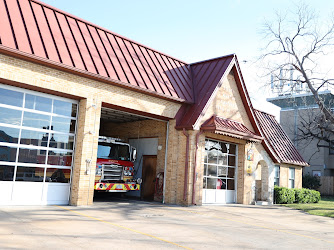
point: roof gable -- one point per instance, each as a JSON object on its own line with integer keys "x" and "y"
{"x": 44, "y": 32}
{"x": 277, "y": 142}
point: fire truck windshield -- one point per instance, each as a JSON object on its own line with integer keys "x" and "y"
{"x": 113, "y": 151}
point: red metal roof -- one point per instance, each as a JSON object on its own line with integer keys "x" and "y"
{"x": 34, "y": 28}
{"x": 231, "y": 128}
{"x": 277, "y": 141}
{"x": 206, "y": 77}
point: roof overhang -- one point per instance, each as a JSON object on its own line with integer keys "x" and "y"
{"x": 219, "y": 125}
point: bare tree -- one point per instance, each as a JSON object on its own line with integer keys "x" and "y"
{"x": 297, "y": 42}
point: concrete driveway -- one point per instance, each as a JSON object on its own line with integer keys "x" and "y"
{"x": 124, "y": 224}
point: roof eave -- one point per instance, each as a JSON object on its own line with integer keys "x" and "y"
{"x": 45, "y": 62}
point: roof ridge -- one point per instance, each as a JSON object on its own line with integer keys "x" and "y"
{"x": 102, "y": 28}
{"x": 212, "y": 59}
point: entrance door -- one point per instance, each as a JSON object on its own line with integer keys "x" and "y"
{"x": 219, "y": 177}
{"x": 148, "y": 176}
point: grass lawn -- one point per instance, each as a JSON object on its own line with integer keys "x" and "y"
{"x": 325, "y": 207}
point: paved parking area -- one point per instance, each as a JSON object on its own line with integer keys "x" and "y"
{"x": 126, "y": 224}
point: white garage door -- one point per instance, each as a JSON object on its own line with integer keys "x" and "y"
{"x": 219, "y": 178}
{"x": 37, "y": 133}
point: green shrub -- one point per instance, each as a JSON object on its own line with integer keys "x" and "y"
{"x": 311, "y": 182}
{"x": 285, "y": 195}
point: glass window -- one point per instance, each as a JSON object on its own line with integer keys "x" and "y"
{"x": 60, "y": 124}
{"x": 232, "y": 149}
{"x": 11, "y": 97}
{"x": 62, "y": 141}
{"x": 59, "y": 158}
{"x": 10, "y": 116}
{"x": 291, "y": 177}
{"x": 38, "y": 103}
{"x": 7, "y": 154}
{"x": 58, "y": 175}
{"x": 221, "y": 183}
{"x": 222, "y": 160}
{"x": 212, "y": 170}
{"x": 113, "y": 151}
{"x": 8, "y": 134}
{"x": 6, "y": 173}
{"x": 276, "y": 175}
{"x": 36, "y": 120}
{"x": 204, "y": 182}
{"x": 231, "y": 172}
{"x": 32, "y": 174}
{"x": 222, "y": 171}
{"x": 64, "y": 108}
{"x": 211, "y": 183}
{"x": 205, "y": 170}
{"x": 231, "y": 160}
{"x": 35, "y": 138}
{"x": 230, "y": 184}
{"x": 27, "y": 155}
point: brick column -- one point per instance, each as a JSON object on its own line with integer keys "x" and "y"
{"x": 83, "y": 176}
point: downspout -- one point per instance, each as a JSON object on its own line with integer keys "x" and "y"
{"x": 195, "y": 163}
{"x": 165, "y": 170}
{"x": 186, "y": 166}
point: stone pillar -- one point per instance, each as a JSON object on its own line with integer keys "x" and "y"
{"x": 83, "y": 176}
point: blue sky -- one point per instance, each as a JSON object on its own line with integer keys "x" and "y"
{"x": 192, "y": 30}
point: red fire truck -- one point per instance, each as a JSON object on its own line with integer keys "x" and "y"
{"x": 114, "y": 166}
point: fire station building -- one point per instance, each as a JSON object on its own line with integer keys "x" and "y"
{"x": 64, "y": 82}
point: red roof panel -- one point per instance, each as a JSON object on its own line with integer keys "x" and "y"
{"x": 48, "y": 33}
{"x": 18, "y": 26}
{"x": 278, "y": 140}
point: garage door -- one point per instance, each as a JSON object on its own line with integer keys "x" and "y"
{"x": 219, "y": 178}
{"x": 37, "y": 133}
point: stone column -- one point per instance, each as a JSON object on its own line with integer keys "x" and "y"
{"x": 83, "y": 176}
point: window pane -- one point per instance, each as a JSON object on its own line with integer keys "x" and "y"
{"x": 205, "y": 170}
{"x": 64, "y": 108}
{"x": 10, "y": 116}
{"x": 221, "y": 183}
{"x": 205, "y": 157}
{"x": 232, "y": 149}
{"x": 222, "y": 171}
{"x": 212, "y": 170}
{"x": 204, "y": 182}
{"x": 60, "y": 158}
{"x": 10, "y": 135}
{"x": 60, "y": 124}
{"x": 7, "y": 154}
{"x": 211, "y": 183}
{"x": 276, "y": 171}
{"x": 231, "y": 172}
{"x": 11, "y": 97}
{"x": 292, "y": 173}
{"x": 62, "y": 141}
{"x": 222, "y": 160}
{"x": 35, "y": 138}
{"x": 38, "y": 103}
{"x": 212, "y": 156}
{"x": 231, "y": 160}
{"x": 58, "y": 175}
{"x": 291, "y": 183}
{"x": 32, "y": 155}
{"x": 29, "y": 174}
{"x": 230, "y": 184}
{"x": 6, "y": 173}
{"x": 224, "y": 147}
{"x": 36, "y": 120}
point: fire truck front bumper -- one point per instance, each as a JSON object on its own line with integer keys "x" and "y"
{"x": 116, "y": 187}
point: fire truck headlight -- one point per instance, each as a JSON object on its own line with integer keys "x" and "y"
{"x": 126, "y": 173}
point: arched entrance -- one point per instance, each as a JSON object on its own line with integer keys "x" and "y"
{"x": 262, "y": 181}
